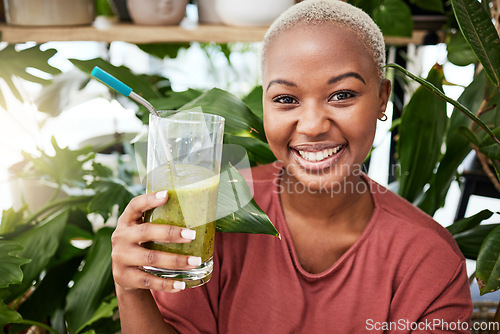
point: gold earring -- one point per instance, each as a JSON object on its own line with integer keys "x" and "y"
{"x": 384, "y": 117}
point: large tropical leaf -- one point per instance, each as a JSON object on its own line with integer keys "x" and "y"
{"x": 488, "y": 263}
{"x": 15, "y": 63}
{"x": 421, "y": 134}
{"x": 478, "y": 29}
{"x": 394, "y": 18}
{"x": 458, "y": 50}
{"x": 10, "y": 268}
{"x": 40, "y": 244}
{"x": 65, "y": 166}
{"x": 448, "y": 99}
{"x": 10, "y": 219}
{"x": 92, "y": 284}
{"x": 470, "y": 241}
{"x": 254, "y": 101}
{"x": 468, "y": 223}
{"x": 457, "y": 147}
{"x": 258, "y": 151}
{"x": 245, "y": 215}
{"x": 240, "y": 120}
{"x": 7, "y": 315}
{"x": 49, "y": 296}
{"x": 108, "y": 193}
{"x": 145, "y": 85}
{"x": 172, "y": 101}
{"x": 60, "y": 94}
{"x": 432, "y": 5}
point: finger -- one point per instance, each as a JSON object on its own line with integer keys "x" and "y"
{"x": 140, "y": 256}
{"x": 161, "y": 233}
{"x": 142, "y": 203}
{"x": 139, "y": 279}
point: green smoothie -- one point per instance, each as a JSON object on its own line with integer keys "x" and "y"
{"x": 192, "y": 203}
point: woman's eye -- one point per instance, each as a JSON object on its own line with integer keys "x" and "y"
{"x": 285, "y": 99}
{"x": 339, "y": 96}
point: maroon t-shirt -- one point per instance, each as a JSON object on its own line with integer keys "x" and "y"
{"x": 404, "y": 273}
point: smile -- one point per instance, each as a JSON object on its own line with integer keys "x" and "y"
{"x": 314, "y": 158}
{"x": 319, "y": 155}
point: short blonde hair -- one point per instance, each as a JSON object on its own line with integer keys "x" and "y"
{"x": 331, "y": 11}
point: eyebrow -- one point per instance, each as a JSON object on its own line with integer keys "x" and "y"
{"x": 346, "y": 75}
{"x": 330, "y": 81}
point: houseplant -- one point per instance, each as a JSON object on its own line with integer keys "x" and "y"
{"x": 68, "y": 220}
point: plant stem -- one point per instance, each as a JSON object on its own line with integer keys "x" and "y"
{"x": 38, "y": 324}
{"x": 456, "y": 104}
{"x": 53, "y": 205}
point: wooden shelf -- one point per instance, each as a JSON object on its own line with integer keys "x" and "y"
{"x": 137, "y": 34}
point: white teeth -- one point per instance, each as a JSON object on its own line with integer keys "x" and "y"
{"x": 320, "y": 155}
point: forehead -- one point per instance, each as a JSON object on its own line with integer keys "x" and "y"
{"x": 324, "y": 44}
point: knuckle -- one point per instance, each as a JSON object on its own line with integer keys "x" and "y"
{"x": 146, "y": 281}
{"x": 150, "y": 257}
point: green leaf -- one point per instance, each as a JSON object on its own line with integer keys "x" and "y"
{"x": 470, "y": 241}
{"x": 92, "y": 284}
{"x": 489, "y": 147}
{"x": 103, "y": 8}
{"x": 56, "y": 97}
{"x": 457, "y": 147}
{"x": 488, "y": 263}
{"x": 235, "y": 196}
{"x": 254, "y": 101}
{"x": 467, "y": 133}
{"x": 110, "y": 192}
{"x": 459, "y": 51}
{"x": 163, "y": 50}
{"x": 65, "y": 166}
{"x": 368, "y": 6}
{"x": 258, "y": 151}
{"x": 11, "y": 219}
{"x": 172, "y": 101}
{"x": 394, "y": 18}
{"x": 240, "y": 120}
{"x": 432, "y": 5}
{"x": 468, "y": 223}
{"x": 145, "y": 85}
{"x": 421, "y": 135}
{"x": 49, "y": 295}
{"x": 478, "y": 29}
{"x": 7, "y": 315}
{"x": 455, "y": 103}
{"x": 40, "y": 244}
{"x": 106, "y": 310}
{"x": 15, "y": 63}
{"x": 10, "y": 268}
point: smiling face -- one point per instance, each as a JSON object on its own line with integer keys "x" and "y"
{"x": 322, "y": 98}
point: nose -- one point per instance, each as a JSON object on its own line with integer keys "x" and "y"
{"x": 313, "y": 121}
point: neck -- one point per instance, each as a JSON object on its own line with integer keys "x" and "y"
{"x": 350, "y": 202}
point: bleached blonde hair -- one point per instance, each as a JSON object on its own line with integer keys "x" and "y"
{"x": 331, "y": 11}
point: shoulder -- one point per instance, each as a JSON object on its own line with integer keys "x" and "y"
{"x": 409, "y": 223}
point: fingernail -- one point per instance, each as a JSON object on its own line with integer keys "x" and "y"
{"x": 188, "y": 234}
{"x": 161, "y": 194}
{"x": 194, "y": 261}
{"x": 178, "y": 285}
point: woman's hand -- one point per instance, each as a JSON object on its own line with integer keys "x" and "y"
{"x": 129, "y": 256}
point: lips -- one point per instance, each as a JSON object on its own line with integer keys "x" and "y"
{"x": 315, "y": 157}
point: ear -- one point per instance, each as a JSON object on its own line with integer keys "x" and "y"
{"x": 384, "y": 94}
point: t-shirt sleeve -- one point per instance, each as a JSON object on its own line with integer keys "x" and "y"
{"x": 193, "y": 310}
{"x": 450, "y": 312}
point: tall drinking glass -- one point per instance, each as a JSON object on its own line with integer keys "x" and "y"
{"x": 184, "y": 157}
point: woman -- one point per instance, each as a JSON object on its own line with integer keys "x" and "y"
{"x": 354, "y": 257}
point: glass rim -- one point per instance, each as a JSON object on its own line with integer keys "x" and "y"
{"x": 165, "y": 114}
